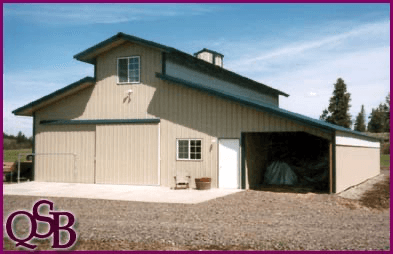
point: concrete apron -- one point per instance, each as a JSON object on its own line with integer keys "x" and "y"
{"x": 115, "y": 192}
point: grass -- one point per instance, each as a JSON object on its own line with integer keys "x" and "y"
{"x": 385, "y": 160}
{"x": 12, "y": 155}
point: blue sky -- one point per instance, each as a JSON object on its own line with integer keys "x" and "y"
{"x": 300, "y": 49}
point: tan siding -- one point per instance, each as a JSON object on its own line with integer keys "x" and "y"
{"x": 127, "y": 154}
{"x": 226, "y": 120}
{"x": 184, "y": 113}
{"x": 355, "y": 165}
{"x": 106, "y": 99}
{"x": 79, "y": 140}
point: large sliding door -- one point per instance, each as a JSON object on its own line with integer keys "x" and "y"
{"x": 127, "y": 154}
{"x": 65, "y": 154}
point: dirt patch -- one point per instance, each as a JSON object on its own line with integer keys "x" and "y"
{"x": 379, "y": 196}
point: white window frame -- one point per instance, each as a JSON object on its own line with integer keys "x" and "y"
{"x": 139, "y": 71}
{"x": 189, "y": 149}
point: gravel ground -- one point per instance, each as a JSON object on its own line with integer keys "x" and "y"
{"x": 257, "y": 220}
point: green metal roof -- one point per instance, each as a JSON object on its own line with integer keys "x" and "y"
{"x": 185, "y": 59}
{"x": 264, "y": 107}
{"x": 19, "y": 111}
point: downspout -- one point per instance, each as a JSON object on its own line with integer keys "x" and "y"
{"x": 163, "y": 63}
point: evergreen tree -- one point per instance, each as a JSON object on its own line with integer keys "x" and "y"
{"x": 375, "y": 124}
{"x": 20, "y": 138}
{"x": 360, "y": 122}
{"x": 338, "y": 110}
{"x": 386, "y": 125}
{"x": 324, "y": 115}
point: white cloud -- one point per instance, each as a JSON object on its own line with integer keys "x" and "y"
{"x": 307, "y": 70}
{"x": 367, "y": 77}
{"x": 295, "y": 52}
{"x": 27, "y": 86}
{"x": 100, "y": 13}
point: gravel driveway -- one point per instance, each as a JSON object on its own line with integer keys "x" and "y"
{"x": 246, "y": 220}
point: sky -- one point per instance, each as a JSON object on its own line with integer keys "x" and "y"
{"x": 300, "y": 49}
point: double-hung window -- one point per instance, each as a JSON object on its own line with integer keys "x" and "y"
{"x": 189, "y": 149}
{"x": 128, "y": 69}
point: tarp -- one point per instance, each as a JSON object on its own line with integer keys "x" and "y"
{"x": 279, "y": 173}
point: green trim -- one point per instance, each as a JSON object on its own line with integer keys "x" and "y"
{"x": 19, "y": 111}
{"x": 324, "y": 126}
{"x": 334, "y": 162}
{"x": 80, "y": 56}
{"x": 221, "y": 73}
{"x": 163, "y": 63}
{"x": 101, "y": 121}
{"x": 243, "y": 160}
{"x": 184, "y": 59}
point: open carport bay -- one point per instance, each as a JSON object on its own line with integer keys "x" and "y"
{"x": 295, "y": 161}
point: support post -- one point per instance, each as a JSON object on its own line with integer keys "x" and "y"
{"x": 18, "y": 168}
{"x": 330, "y": 168}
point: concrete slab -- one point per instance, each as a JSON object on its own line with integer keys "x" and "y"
{"x": 115, "y": 192}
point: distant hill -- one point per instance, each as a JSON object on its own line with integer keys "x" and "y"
{"x": 11, "y": 142}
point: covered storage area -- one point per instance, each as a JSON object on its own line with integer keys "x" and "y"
{"x": 295, "y": 161}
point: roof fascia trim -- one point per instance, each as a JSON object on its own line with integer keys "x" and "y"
{"x": 19, "y": 111}
{"x": 114, "y": 38}
{"x": 329, "y": 128}
{"x": 219, "y": 72}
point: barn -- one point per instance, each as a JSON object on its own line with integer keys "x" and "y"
{"x": 151, "y": 112}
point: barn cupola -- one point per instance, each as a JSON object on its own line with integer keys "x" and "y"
{"x": 210, "y": 56}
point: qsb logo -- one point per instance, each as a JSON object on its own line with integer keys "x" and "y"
{"x": 54, "y": 226}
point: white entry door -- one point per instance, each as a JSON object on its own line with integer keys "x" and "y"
{"x": 229, "y": 173}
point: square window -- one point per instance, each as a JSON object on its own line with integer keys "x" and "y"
{"x": 128, "y": 69}
{"x": 189, "y": 149}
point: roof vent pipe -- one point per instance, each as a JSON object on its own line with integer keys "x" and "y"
{"x": 210, "y": 56}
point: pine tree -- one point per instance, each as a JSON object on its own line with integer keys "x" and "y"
{"x": 20, "y": 138}
{"x": 360, "y": 122}
{"x": 386, "y": 127}
{"x": 324, "y": 115}
{"x": 338, "y": 110}
{"x": 375, "y": 124}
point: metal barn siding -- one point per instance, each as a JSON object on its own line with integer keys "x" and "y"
{"x": 354, "y": 165}
{"x": 108, "y": 100}
{"x": 70, "y": 139}
{"x": 184, "y": 113}
{"x": 127, "y": 154}
{"x": 357, "y": 159}
{"x": 188, "y": 113}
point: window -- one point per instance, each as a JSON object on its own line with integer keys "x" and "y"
{"x": 128, "y": 69}
{"x": 189, "y": 149}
